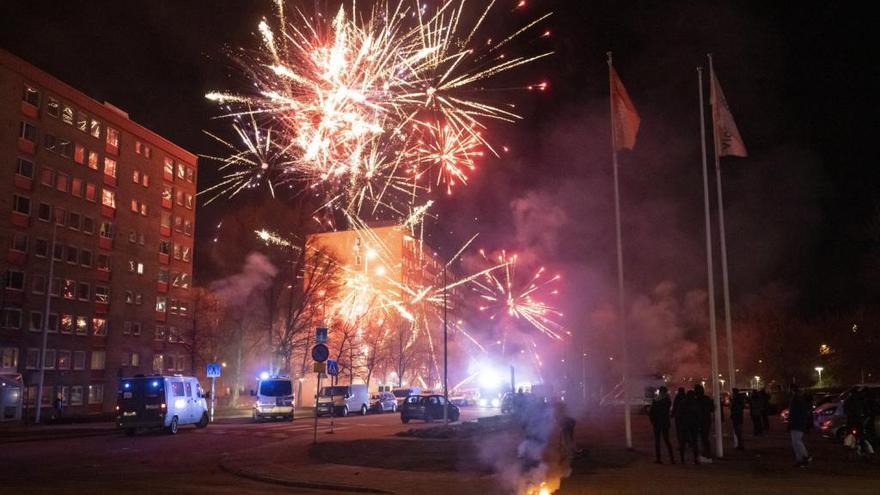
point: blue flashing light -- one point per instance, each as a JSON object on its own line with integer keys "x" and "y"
{"x": 155, "y": 383}
{"x": 127, "y": 385}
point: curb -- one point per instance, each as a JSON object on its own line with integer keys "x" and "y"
{"x": 242, "y": 473}
{"x": 35, "y": 438}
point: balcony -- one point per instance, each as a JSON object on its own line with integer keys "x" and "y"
{"x": 20, "y": 219}
{"x": 161, "y": 315}
{"x": 30, "y": 110}
{"x": 23, "y": 182}
{"x": 102, "y": 275}
{"x": 107, "y": 211}
{"x": 161, "y": 287}
{"x": 26, "y": 146}
{"x": 105, "y": 243}
{"x": 102, "y": 308}
{"x": 164, "y": 258}
{"x": 16, "y": 257}
{"x": 109, "y": 180}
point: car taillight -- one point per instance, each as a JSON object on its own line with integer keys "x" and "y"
{"x": 117, "y": 408}
{"x": 163, "y": 406}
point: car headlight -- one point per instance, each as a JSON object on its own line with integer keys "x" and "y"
{"x": 496, "y": 402}
{"x": 483, "y": 402}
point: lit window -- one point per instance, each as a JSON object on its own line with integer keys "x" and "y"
{"x": 76, "y": 187}
{"x": 179, "y": 197}
{"x": 49, "y": 359}
{"x": 109, "y": 167}
{"x": 47, "y": 177}
{"x": 106, "y": 230}
{"x": 102, "y": 294}
{"x": 82, "y": 122}
{"x": 9, "y": 358}
{"x": 181, "y": 171}
{"x": 187, "y": 254}
{"x": 79, "y": 154}
{"x": 108, "y": 198}
{"x": 136, "y": 176}
{"x": 66, "y": 323}
{"x": 99, "y": 327}
{"x": 61, "y": 182}
{"x": 49, "y": 142}
{"x": 93, "y": 160}
{"x": 144, "y": 209}
{"x": 91, "y": 191}
{"x": 31, "y": 95}
{"x": 145, "y": 180}
{"x": 129, "y": 297}
{"x": 189, "y": 201}
{"x": 53, "y": 108}
{"x": 160, "y": 333}
{"x": 82, "y": 325}
{"x": 112, "y": 137}
{"x": 190, "y": 174}
{"x": 67, "y": 114}
{"x": 168, "y": 169}
{"x": 95, "y": 128}
{"x": 148, "y": 152}
{"x": 76, "y": 391}
{"x": 187, "y": 227}
{"x": 64, "y": 360}
{"x": 134, "y": 206}
{"x": 98, "y": 360}
{"x": 138, "y": 147}
{"x": 161, "y": 304}
{"x": 68, "y": 289}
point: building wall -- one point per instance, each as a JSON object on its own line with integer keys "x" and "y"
{"x": 124, "y": 236}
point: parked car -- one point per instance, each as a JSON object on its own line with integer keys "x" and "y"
{"x": 160, "y": 402}
{"x": 274, "y": 398}
{"x": 402, "y": 393}
{"x": 830, "y": 417}
{"x": 343, "y": 399}
{"x": 383, "y": 402}
{"x": 427, "y": 408}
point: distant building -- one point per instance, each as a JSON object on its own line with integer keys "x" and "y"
{"x": 109, "y": 207}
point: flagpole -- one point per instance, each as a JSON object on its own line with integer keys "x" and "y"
{"x": 622, "y": 307}
{"x": 726, "y": 288}
{"x": 719, "y": 448}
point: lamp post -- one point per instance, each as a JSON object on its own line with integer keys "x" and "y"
{"x": 819, "y": 371}
{"x": 445, "y": 353}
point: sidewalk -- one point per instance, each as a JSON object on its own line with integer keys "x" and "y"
{"x": 17, "y": 432}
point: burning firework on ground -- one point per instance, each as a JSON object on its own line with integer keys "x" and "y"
{"x": 352, "y": 98}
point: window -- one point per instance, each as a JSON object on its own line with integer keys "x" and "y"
{"x": 63, "y": 360}
{"x": 134, "y": 206}
{"x": 88, "y": 225}
{"x": 91, "y": 192}
{"x": 179, "y": 197}
{"x": 25, "y": 168}
{"x": 8, "y": 358}
{"x": 82, "y": 325}
{"x": 53, "y": 323}
{"x": 108, "y": 198}
{"x": 44, "y": 212}
{"x": 145, "y": 180}
{"x": 14, "y": 280}
{"x": 181, "y": 171}
{"x": 161, "y": 304}
{"x": 95, "y": 128}
{"x": 53, "y": 108}
{"x": 96, "y": 394}
{"x": 82, "y": 122}
{"x": 110, "y": 167}
{"x": 135, "y": 328}
{"x": 189, "y": 201}
{"x": 49, "y": 142}
{"x": 165, "y": 220}
{"x": 129, "y": 297}
{"x": 158, "y": 363}
{"x": 74, "y": 220}
{"x": 164, "y": 247}
{"x": 93, "y": 160}
{"x": 141, "y": 238}
{"x": 136, "y": 176}
{"x": 135, "y": 359}
{"x": 32, "y": 361}
{"x": 167, "y": 171}
{"x": 76, "y": 394}
{"x": 85, "y": 258}
{"x": 60, "y": 216}
{"x": 98, "y": 360}
{"x": 65, "y": 147}
{"x": 99, "y": 327}
{"x": 10, "y": 318}
{"x": 148, "y": 151}
{"x": 47, "y": 177}
{"x": 72, "y": 255}
{"x": 177, "y": 251}
{"x": 167, "y": 193}
{"x": 66, "y": 323}
{"x": 160, "y": 333}
{"x": 31, "y": 95}
{"x": 67, "y": 114}
{"x": 138, "y": 298}
{"x": 21, "y": 204}
{"x": 58, "y": 255}
{"x": 20, "y": 242}
{"x": 49, "y": 359}
{"x": 83, "y": 291}
{"x": 68, "y": 289}
{"x": 173, "y": 335}
{"x": 103, "y": 262}
{"x": 102, "y": 294}
{"x": 144, "y": 209}
{"x": 38, "y": 283}
{"x": 163, "y": 276}
{"x": 187, "y": 227}
{"x": 36, "y": 321}
{"x": 178, "y": 224}
{"x": 79, "y": 360}
{"x": 106, "y": 230}
{"x": 41, "y": 248}
{"x": 76, "y": 187}
{"x": 112, "y": 137}
{"x": 132, "y": 237}
{"x": 79, "y": 154}
{"x": 190, "y": 174}
{"x": 28, "y": 132}
{"x": 61, "y": 182}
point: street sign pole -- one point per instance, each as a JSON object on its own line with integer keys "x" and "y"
{"x": 213, "y": 396}
{"x": 213, "y": 371}
{"x": 317, "y": 391}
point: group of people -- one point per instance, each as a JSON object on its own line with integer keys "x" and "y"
{"x": 692, "y": 412}
{"x": 862, "y": 409}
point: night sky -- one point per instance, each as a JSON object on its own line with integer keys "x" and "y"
{"x": 802, "y": 210}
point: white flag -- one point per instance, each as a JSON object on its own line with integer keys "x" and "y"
{"x": 727, "y": 138}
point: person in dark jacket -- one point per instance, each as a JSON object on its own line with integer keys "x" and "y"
{"x": 678, "y": 415}
{"x": 756, "y": 411}
{"x": 737, "y": 410}
{"x": 765, "y": 411}
{"x": 798, "y": 418}
{"x": 705, "y": 408}
{"x": 659, "y": 414}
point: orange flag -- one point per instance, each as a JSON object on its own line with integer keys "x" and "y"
{"x": 728, "y": 142}
{"x": 624, "y": 117}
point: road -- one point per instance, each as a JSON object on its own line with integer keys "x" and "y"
{"x": 157, "y": 463}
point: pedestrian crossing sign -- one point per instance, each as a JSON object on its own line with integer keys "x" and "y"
{"x": 332, "y": 367}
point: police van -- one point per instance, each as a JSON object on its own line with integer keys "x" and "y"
{"x": 160, "y": 402}
{"x": 274, "y": 398}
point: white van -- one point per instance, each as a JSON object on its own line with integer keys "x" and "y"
{"x": 344, "y": 399}
{"x": 160, "y": 402}
{"x": 274, "y": 398}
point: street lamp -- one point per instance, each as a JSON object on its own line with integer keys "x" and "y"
{"x": 819, "y": 370}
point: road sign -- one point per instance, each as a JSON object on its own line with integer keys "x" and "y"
{"x": 214, "y": 370}
{"x": 319, "y": 367}
{"x": 320, "y": 353}
{"x": 321, "y": 335}
{"x": 332, "y": 367}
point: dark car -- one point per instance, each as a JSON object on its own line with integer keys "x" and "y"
{"x": 427, "y": 407}
{"x": 383, "y": 402}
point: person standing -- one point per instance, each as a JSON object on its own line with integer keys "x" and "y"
{"x": 57, "y": 405}
{"x": 798, "y": 417}
{"x": 659, "y": 414}
{"x": 737, "y": 410}
{"x": 705, "y": 410}
{"x": 678, "y": 415}
{"x": 756, "y": 411}
{"x": 689, "y": 413}
{"x": 765, "y": 411}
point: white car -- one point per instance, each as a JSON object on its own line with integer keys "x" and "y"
{"x": 160, "y": 402}
{"x": 274, "y": 398}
